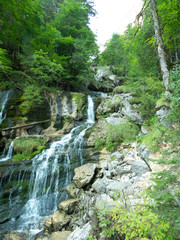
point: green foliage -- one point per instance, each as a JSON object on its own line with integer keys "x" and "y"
{"x": 100, "y": 143}
{"x": 26, "y": 148}
{"x": 125, "y": 132}
{"x": 53, "y": 44}
{"x": 30, "y": 98}
{"x": 168, "y": 12}
{"x": 120, "y": 89}
{"x": 44, "y": 71}
{"x": 91, "y": 238}
{"x": 4, "y": 61}
{"x": 146, "y": 92}
{"x": 165, "y": 192}
{"x": 175, "y": 95}
{"x": 127, "y": 223}
{"x": 79, "y": 99}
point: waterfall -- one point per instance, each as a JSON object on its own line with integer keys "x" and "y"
{"x": 3, "y": 100}
{"x": 9, "y": 153}
{"x": 90, "y": 111}
{"x": 51, "y": 172}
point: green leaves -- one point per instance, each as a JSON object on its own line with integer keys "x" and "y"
{"x": 4, "y": 61}
{"x": 45, "y": 71}
{"x": 50, "y": 40}
{"x": 132, "y": 222}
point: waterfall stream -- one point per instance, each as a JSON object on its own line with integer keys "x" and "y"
{"x": 8, "y": 155}
{"x": 51, "y": 171}
{"x": 3, "y": 100}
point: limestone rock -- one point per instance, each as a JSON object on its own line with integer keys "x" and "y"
{"x": 104, "y": 201}
{"x": 117, "y": 156}
{"x": 99, "y": 131}
{"x": 58, "y": 221}
{"x": 68, "y": 206}
{"x": 72, "y": 190}
{"x": 131, "y": 113}
{"x": 144, "y": 151}
{"x": 80, "y": 233}
{"x": 114, "y": 120}
{"x": 60, "y": 235}
{"x": 140, "y": 167}
{"x": 72, "y": 105}
{"x": 162, "y": 114}
{"x": 100, "y": 185}
{"x": 109, "y": 104}
{"x": 106, "y": 185}
{"x": 84, "y": 174}
{"x": 144, "y": 130}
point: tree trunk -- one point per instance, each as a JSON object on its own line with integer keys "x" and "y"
{"x": 161, "y": 53}
{"x": 176, "y": 50}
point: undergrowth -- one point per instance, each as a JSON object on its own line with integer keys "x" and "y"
{"x": 27, "y": 148}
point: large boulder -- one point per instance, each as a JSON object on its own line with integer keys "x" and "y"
{"x": 109, "y": 104}
{"x": 98, "y": 131}
{"x": 105, "y": 185}
{"x": 84, "y": 174}
{"x": 140, "y": 167}
{"x": 105, "y": 80}
{"x": 72, "y": 190}
{"x": 162, "y": 114}
{"x": 57, "y": 221}
{"x": 68, "y": 206}
{"x": 72, "y": 105}
{"x": 127, "y": 110}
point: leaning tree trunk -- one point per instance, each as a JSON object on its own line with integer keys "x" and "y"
{"x": 161, "y": 53}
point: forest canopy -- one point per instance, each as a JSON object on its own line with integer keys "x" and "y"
{"x": 49, "y": 43}
{"x": 46, "y": 42}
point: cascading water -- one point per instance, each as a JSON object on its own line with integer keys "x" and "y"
{"x": 51, "y": 172}
{"x": 8, "y": 155}
{"x": 3, "y": 100}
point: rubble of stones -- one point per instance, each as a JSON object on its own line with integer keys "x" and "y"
{"x": 94, "y": 186}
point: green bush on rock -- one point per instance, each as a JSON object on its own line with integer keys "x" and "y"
{"x": 26, "y": 148}
{"x": 124, "y": 222}
{"x": 124, "y": 132}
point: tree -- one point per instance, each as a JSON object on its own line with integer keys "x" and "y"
{"x": 161, "y": 53}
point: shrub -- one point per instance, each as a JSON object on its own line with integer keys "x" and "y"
{"x": 124, "y": 222}
{"x": 175, "y": 95}
{"x": 30, "y": 98}
{"x": 27, "y": 148}
{"x": 100, "y": 143}
{"x": 126, "y": 132}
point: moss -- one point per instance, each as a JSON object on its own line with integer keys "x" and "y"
{"x": 79, "y": 99}
{"x": 114, "y": 103}
{"x": 121, "y": 89}
{"x": 134, "y": 100}
{"x": 161, "y": 103}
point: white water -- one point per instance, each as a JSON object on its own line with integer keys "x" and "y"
{"x": 3, "y": 100}
{"x": 9, "y": 153}
{"x": 51, "y": 172}
{"x": 90, "y": 111}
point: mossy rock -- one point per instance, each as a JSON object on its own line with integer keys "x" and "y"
{"x": 161, "y": 103}
{"x": 80, "y": 99}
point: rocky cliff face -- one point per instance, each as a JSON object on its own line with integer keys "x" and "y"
{"x": 126, "y": 168}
